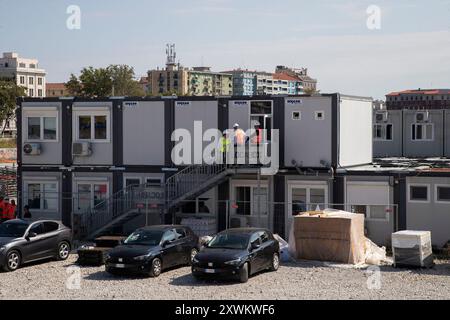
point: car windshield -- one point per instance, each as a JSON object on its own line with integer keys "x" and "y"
{"x": 13, "y": 229}
{"x": 229, "y": 241}
{"x": 145, "y": 237}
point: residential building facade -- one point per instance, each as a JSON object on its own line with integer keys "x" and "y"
{"x": 419, "y": 99}
{"x": 25, "y": 72}
{"x": 56, "y": 89}
{"x": 203, "y": 82}
{"x": 283, "y": 81}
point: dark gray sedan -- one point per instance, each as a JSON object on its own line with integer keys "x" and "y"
{"x": 22, "y": 242}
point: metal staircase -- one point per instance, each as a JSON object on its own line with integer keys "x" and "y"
{"x": 128, "y": 203}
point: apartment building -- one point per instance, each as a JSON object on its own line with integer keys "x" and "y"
{"x": 56, "y": 89}
{"x": 284, "y": 81}
{"x": 244, "y": 82}
{"x": 204, "y": 82}
{"x": 26, "y": 73}
{"x": 419, "y": 99}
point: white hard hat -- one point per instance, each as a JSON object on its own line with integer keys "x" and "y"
{"x": 235, "y": 125}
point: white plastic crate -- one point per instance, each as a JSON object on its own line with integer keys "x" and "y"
{"x": 412, "y": 248}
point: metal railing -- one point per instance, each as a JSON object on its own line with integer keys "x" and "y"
{"x": 190, "y": 178}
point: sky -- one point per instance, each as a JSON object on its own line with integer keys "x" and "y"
{"x": 409, "y": 50}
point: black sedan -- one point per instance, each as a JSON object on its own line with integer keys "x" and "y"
{"x": 22, "y": 242}
{"x": 237, "y": 253}
{"x": 150, "y": 250}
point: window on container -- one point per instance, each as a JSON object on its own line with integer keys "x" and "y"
{"x": 100, "y": 127}
{"x": 100, "y": 194}
{"x": 49, "y": 128}
{"x": 299, "y": 200}
{"x": 261, "y": 107}
{"x": 34, "y": 195}
{"x": 34, "y": 128}
{"x": 443, "y": 193}
{"x": 418, "y": 193}
{"x": 422, "y": 131}
{"x": 243, "y": 200}
{"x": 84, "y": 127}
{"x": 50, "y": 196}
{"x": 319, "y": 115}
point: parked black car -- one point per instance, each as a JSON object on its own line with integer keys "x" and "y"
{"x": 150, "y": 250}
{"x": 237, "y": 253}
{"x": 22, "y": 242}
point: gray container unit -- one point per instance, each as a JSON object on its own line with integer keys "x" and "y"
{"x": 387, "y": 133}
{"x": 423, "y": 133}
{"x": 327, "y": 130}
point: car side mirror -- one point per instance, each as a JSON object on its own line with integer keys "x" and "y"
{"x": 165, "y": 243}
{"x": 31, "y": 234}
{"x": 255, "y": 246}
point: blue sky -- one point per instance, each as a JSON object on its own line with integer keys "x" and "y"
{"x": 411, "y": 50}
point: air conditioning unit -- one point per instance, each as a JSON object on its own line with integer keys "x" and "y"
{"x": 381, "y": 116}
{"x": 81, "y": 149}
{"x": 422, "y": 116}
{"x": 32, "y": 149}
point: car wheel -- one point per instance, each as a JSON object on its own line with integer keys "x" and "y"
{"x": 194, "y": 252}
{"x": 63, "y": 250}
{"x": 156, "y": 267}
{"x": 12, "y": 261}
{"x": 112, "y": 271}
{"x": 243, "y": 273}
{"x": 275, "y": 262}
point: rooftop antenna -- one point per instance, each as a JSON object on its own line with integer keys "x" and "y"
{"x": 171, "y": 54}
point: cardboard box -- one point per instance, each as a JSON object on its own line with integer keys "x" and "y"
{"x": 328, "y": 236}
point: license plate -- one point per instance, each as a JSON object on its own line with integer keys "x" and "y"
{"x": 119, "y": 265}
{"x": 210, "y": 271}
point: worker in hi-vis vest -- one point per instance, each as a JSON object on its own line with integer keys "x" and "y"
{"x": 239, "y": 135}
{"x": 224, "y": 145}
{"x": 257, "y": 136}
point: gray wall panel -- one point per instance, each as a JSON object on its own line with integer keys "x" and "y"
{"x": 307, "y": 140}
{"x": 143, "y": 134}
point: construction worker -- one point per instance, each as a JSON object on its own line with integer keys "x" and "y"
{"x": 239, "y": 135}
{"x": 257, "y": 137}
{"x": 11, "y": 210}
{"x": 6, "y": 205}
{"x": 2, "y": 210}
{"x": 224, "y": 145}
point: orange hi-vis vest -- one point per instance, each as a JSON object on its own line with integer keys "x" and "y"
{"x": 10, "y": 212}
{"x": 239, "y": 136}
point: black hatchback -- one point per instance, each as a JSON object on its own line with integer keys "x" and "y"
{"x": 237, "y": 253}
{"x": 152, "y": 249}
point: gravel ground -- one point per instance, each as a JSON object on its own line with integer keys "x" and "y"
{"x": 300, "y": 280}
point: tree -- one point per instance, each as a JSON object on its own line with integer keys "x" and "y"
{"x": 9, "y": 92}
{"x": 311, "y": 91}
{"x": 117, "y": 80}
{"x": 74, "y": 86}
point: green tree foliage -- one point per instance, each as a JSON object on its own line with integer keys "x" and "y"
{"x": 117, "y": 80}
{"x": 9, "y": 92}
